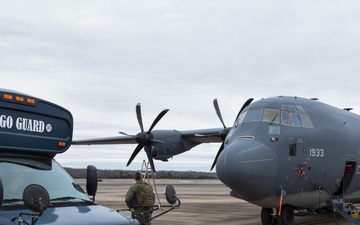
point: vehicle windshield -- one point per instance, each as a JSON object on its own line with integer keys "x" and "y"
{"x": 289, "y": 115}
{"x": 17, "y": 173}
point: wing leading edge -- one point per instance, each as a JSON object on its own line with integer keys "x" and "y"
{"x": 195, "y": 136}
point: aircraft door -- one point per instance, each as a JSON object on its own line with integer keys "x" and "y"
{"x": 349, "y": 171}
{"x": 299, "y": 167}
{"x": 298, "y": 148}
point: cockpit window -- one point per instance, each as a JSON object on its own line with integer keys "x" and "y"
{"x": 285, "y": 120}
{"x": 271, "y": 115}
{"x": 289, "y": 115}
{"x": 300, "y": 109}
{"x": 306, "y": 122}
{"x": 298, "y": 117}
{"x": 295, "y": 120}
{"x": 292, "y": 108}
{"x": 241, "y": 117}
{"x": 253, "y": 115}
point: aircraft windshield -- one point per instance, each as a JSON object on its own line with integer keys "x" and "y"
{"x": 289, "y": 115}
{"x": 16, "y": 174}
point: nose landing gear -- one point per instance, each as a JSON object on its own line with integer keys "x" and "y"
{"x": 269, "y": 217}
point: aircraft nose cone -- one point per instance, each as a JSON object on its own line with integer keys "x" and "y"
{"x": 249, "y": 168}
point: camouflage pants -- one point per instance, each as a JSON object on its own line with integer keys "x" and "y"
{"x": 142, "y": 215}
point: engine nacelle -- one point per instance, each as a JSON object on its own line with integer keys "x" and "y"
{"x": 169, "y": 143}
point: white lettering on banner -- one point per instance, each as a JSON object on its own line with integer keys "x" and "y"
{"x": 24, "y": 124}
{"x": 30, "y": 125}
{"x": 6, "y": 122}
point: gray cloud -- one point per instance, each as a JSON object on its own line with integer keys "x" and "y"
{"x": 99, "y": 59}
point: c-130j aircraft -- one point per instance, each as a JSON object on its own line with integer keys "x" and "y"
{"x": 288, "y": 155}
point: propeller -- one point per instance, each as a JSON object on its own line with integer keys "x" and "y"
{"x": 145, "y": 138}
{"x": 226, "y": 130}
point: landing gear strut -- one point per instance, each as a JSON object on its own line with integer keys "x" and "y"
{"x": 286, "y": 216}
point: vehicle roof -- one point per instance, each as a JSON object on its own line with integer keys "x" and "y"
{"x": 30, "y": 124}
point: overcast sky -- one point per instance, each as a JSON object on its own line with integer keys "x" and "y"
{"x": 99, "y": 58}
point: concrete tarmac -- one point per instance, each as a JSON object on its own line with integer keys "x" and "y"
{"x": 202, "y": 202}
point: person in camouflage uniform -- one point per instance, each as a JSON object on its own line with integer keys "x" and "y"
{"x": 131, "y": 200}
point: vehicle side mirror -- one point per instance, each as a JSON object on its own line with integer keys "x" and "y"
{"x": 1, "y": 193}
{"x": 36, "y": 198}
{"x": 170, "y": 194}
{"x": 91, "y": 181}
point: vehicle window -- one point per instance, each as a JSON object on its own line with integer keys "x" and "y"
{"x": 306, "y": 121}
{"x": 274, "y": 129}
{"x": 271, "y": 115}
{"x": 285, "y": 120}
{"x": 300, "y": 109}
{"x": 295, "y": 120}
{"x": 295, "y": 116}
{"x": 16, "y": 177}
{"x": 241, "y": 118}
{"x": 253, "y": 115}
{"x": 292, "y": 108}
{"x": 284, "y": 108}
{"x": 290, "y": 115}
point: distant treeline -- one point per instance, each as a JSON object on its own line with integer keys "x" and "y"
{"x": 123, "y": 174}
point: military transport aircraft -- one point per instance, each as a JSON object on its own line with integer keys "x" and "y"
{"x": 288, "y": 155}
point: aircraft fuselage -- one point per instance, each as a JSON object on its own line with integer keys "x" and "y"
{"x": 293, "y": 150}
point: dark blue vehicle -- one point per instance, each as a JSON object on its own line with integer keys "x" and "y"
{"x": 34, "y": 188}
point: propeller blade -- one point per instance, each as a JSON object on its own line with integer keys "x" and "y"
{"x": 150, "y": 158}
{"x": 157, "y": 119}
{"x": 217, "y": 155}
{"x": 139, "y": 118}
{"x": 129, "y": 135}
{"x": 217, "y": 109}
{"x": 144, "y": 139}
{"x": 244, "y": 106}
{"x": 224, "y": 132}
{"x": 134, "y": 154}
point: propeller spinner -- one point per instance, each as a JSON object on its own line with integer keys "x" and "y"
{"x": 145, "y": 138}
{"x": 226, "y": 130}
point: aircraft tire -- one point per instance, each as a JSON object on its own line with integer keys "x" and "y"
{"x": 267, "y": 217}
{"x": 287, "y": 216}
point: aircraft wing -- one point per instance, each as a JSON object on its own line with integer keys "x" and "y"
{"x": 202, "y": 135}
{"x": 106, "y": 141}
{"x": 194, "y": 136}
{"x": 160, "y": 144}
